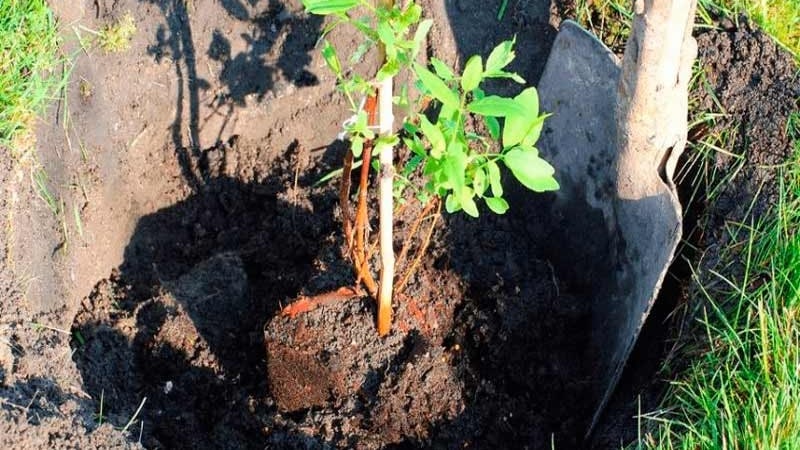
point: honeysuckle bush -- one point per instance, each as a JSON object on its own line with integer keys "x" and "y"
{"x": 460, "y": 165}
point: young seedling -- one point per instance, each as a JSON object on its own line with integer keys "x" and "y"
{"x": 460, "y": 165}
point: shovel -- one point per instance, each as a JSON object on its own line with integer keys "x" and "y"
{"x": 616, "y": 133}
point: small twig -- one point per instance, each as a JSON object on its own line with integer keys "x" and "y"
{"x": 48, "y": 327}
{"x": 360, "y": 228}
{"x": 136, "y": 414}
{"x": 137, "y": 137}
{"x": 12, "y": 346}
{"x": 13, "y": 405}
{"x": 363, "y": 275}
{"x": 33, "y": 399}
{"x": 360, "y": 258}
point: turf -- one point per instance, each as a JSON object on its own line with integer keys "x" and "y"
{"x": 742, "y": 387}
{"x": 29, "y": 59}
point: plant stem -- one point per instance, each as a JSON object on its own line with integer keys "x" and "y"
{"x": 385, "y": 197}
{"x": 386, "y": 207}
{"x": 360, "y": 257}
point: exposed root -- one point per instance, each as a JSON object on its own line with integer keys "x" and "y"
{"x": 421, "y": 250}
{"x": 413, "y": 231}
{"x": 305, "y": 304}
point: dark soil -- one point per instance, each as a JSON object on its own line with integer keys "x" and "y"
{"x": 758, "y": 86}
{"x": 201, "y": 220}
{"x": 488, "y": 347}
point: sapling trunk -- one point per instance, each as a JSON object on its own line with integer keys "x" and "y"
{"x": 386, "y": 208}
{"x": 386, "y": 199}
{"x": 457, "y": 173}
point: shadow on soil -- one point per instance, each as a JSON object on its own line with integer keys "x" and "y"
{"x": 245, "y": 75}
{"x": 180, "y": 322}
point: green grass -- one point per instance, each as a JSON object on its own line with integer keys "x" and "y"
{"x": 116, "y": 37}
{"x": 29, "y": 58}
{"x": 742, "y": 386}
{"x": 610, "y": 20}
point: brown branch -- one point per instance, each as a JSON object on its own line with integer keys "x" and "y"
{"x": 344, "y": 199}
{"x": 359, "y": 255}
{"x": 361, "y": 209}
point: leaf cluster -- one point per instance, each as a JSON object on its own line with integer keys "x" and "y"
{"x": 461, "y": 166}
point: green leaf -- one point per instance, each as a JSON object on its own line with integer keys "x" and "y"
{"x": 495, "y": 106}
{"x": 518, "y": 126}
{"x": 479, "y": 182}
{"x": 454, "y": 166}
{"x": 434, "y": 136}
{"x": 416, "y": 147}
{"x": 510, "y": 75}
{"x": 494, "y": 178}
{"x": 389, "y": 69}
{"x": 334, "y": 174}
{"x": 436, "y": 87}
{"x": 491, "y": 122}
{"x": 493, "y": 125}
{"x": 412, "y": 164}
{"x": 423, "y": 29}
{"x": 331, "y": 59}
{"x": 323, "y": 7}
{"x": 360, "y": 51}
{"x": 410, "y": 15}
{"x": 473, "y": 73}
{"x": 357, "y": 145}
{"x": 534, "y": 131}
{"x": 451, "y": 204}
{"x": 532, "y": 171}
{"x": 385, "y": 33}
{"x": 529, "y": 99}
{"x": 501, "y": 56}
{"x": 365, "y": 27}
{"x": 384, "y": 143}
{"x": 498, "y": 205}
{"x": 468, "y": 203}
{"x": 442, "y": 70}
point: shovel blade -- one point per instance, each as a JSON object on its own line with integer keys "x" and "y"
{"x": 618, "y": 247}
